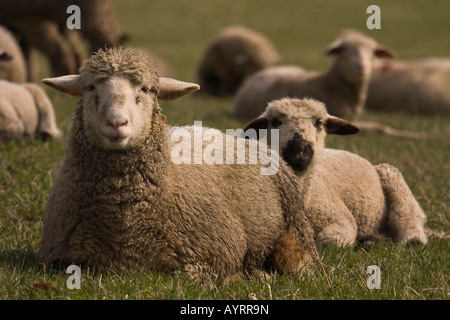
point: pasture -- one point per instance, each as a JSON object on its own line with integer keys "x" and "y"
{"x": 178, "y": 32}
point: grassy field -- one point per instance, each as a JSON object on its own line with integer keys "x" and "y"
{"x": 178, "y": 31}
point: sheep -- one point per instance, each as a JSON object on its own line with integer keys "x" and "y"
{"x": 231, "y": 57}
{"x": 343, "y": 87}
{"x": 120, "y": 202}
{"x": 415, "y": 86}
{"x": 15, "y": 70}
{"x": 62, "y": 47}
{"x": 25, "y": 110}
{"x": 99, "y": 26}
{"x": 346, "y": 198}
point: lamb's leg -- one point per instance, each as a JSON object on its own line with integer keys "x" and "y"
{"x": 405, "y": 217}
{"x": 341, "y": 233}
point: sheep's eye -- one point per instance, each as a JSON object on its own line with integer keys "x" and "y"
{"x": 90, "y": 87}
{"x": 145, "y": 90}
{"x": 318, "y": 123}
{"x": 275, "y": 123}
{"x": 138, "y": 99}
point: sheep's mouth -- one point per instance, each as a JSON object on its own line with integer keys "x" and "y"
{"x": 298, "y": 154}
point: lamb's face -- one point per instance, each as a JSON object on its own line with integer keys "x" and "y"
{"x": 303, "y": 125}
{"x": 301, "y": 130}
{"x": 117, "y": 113}
{"x": 355, "y": 55}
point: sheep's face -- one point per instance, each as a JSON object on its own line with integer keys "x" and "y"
{"x": 355, "y": 54}
{"x": 117, "y": 113}
{"x": 119, "y": 90}
{"x": 303, "y": 125}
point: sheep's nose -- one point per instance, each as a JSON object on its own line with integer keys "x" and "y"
{"x": 117, "y": 123}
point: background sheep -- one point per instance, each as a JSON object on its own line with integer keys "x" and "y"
{"x": 25, "y": 110}
{"x": 41, "y": 25}
{"x": 118, "y": 201}
{"x": 412, "y": 86}
{"x": 15, "y": 70}
{"x": 99, "y": 25}
{"x": 345, "y": 197}
{"x": 343, "y": 88}
{"x": 232, "y": 56}
{"x": 63, "y": 47}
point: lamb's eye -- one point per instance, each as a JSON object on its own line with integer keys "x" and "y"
{"x": 318, "y": 123}
{"x": 145, "y": 90}
{"x": 90, "y": 87}
{"x": 275, "y": 123}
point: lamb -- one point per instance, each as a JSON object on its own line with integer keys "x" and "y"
{"x": 25, "y": 110}
{"x": 15, "y": 70}
{"x": 231, "y": 57}
{"x": 119, "y": 201}
{"x": 415, "y": 86}
{"x": 346, "y": 198}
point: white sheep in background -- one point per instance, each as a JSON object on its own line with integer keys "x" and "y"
{"x": 346, "y": 198}
{"x": 416, "y": 86}
{"x": 343, "y": 88}
{"x": 15, "y": 70}
{"x": 231, "y": 57}
{"x": 120, "y": 202}
{"x": 25, "y": 110}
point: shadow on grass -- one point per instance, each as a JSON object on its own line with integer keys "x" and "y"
{"x": 21, "y": 259}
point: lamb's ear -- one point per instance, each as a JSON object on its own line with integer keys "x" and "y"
{"x": 258, "y": 123}
{"x": 171, "y": 89}
{"x": 383, "y": 52}
{"x": 335, "y": 125}
{"x": 68, "y": 85}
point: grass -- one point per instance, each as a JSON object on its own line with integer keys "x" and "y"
{"x": 178, "y": 31}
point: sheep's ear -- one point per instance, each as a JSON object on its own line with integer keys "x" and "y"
{"x": 171, "y": 89}
{"x": 68, "y": 85}
{"x": 258, "y": 123}
{"x": 334, "y": 48}
{"x": 382, "y": 52}
{"x": 5, "y": 56}
{"x": 335, "y": 125}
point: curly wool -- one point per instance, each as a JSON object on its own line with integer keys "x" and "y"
{"x": 128, "y": 63}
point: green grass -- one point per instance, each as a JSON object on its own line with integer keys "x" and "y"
{"x": 178, "y": 31}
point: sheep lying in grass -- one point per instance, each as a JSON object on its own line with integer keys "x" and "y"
{"x": 343, "y": 88}
{"x": 232, "y": 56}
{"x": 346, "y": 198}
{"x": 120, "y": 202}
{"x": 25, "y": 110}
{"x": 418, "y": 86}
{"x": 15, "y": 70}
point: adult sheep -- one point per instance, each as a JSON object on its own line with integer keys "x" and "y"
{"x": 231, "y": 57}
{"x": 120, "y": 202}
{"x": 25, "y": 110}
{"x": 346, "y": 198}
{"x": 15, "y": 69}
{"x": 415, "y": 86}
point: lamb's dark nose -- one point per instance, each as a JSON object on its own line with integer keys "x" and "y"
{"x": 298, "y": 152}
